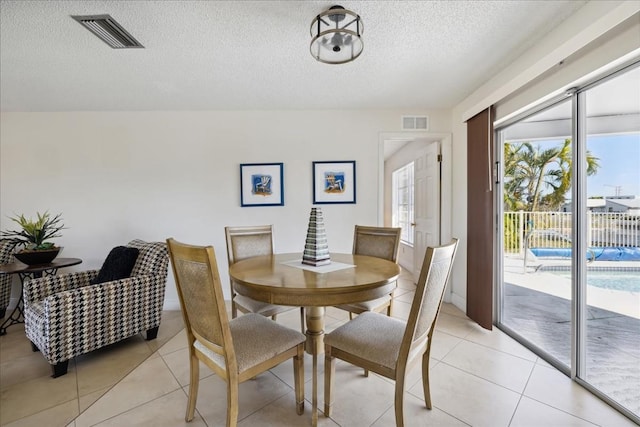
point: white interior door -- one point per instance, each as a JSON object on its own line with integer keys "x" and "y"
{"x": 426, "y": 203}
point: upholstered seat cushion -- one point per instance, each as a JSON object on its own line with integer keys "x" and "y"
{"x": 371, "y": 336}
{"x": 118, "y": 264}
{"x": 372, "y": 305}
{"x": 247, "y": 304}
{"x": 251, "y": 348}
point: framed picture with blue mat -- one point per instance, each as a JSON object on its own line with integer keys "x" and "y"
{"x": 334, "y": 182}
{"x": 261, "y": 184}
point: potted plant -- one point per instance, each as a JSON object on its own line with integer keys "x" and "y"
{"x": 34, "y": 236}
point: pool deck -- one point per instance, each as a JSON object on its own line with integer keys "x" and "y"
{"x": 539, "y": 276}
{"x": 537, "y": 305}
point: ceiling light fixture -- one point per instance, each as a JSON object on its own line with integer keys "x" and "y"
{"x": 109, "y": 31}
{"x": 336, "y": 36}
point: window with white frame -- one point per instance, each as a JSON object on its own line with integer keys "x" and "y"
{"x": 402, "y": 201}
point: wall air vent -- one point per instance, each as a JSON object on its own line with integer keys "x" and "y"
{"x": 109, "y": 31}
{"x": 415, "y": 123}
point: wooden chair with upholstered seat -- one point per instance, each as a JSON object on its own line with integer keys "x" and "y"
{"x": 391, "y": 347}
{"x": 236, "y": 350}
{"x": 246, "y": 242}
{"x": 379, "y": 242}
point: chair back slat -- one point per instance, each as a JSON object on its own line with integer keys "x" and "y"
{"x": 379, "y": 242}
{"x": 430, "y": 288}
{"x": 248, "y": 241}
{"x": 200, "y": 292}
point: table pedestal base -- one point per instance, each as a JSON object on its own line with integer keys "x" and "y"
{"x": 16, "y": 316}
{"x": 315, "y": 346}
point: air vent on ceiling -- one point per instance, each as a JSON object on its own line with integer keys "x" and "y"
{"x": 415, "y": 123}
{"x": 109, "y": 31}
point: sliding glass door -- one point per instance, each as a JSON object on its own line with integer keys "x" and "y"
{"x": 569, "y": 235}
{"x": 610, "y": 350}
{"x": 537, "y": 296}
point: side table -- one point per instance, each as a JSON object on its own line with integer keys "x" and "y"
{"x": 25, "y": 271}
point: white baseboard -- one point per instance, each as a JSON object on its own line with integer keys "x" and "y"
{"x": 459, "y": 302}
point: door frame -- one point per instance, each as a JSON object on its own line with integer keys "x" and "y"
{"x": 445, "y": 140}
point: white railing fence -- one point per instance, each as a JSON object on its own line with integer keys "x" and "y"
{"x": 553, "y": 230}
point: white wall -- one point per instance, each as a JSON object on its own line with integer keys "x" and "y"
{"x": 116, "y": 176}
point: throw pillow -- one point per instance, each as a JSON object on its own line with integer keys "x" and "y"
{"x": 118, "y": 265}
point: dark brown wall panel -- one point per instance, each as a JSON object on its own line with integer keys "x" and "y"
{"x": 480, "y": 219}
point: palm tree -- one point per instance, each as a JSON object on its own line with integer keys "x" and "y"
{"x": 537, "y": 179}
{"x": 513, "y": 178}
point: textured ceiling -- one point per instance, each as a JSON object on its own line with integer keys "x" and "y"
{"x": 206, "y": 55}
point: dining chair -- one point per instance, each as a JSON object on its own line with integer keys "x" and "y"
{"x": 391, "y": 347}
{"x": 246, "y": 242}
{"x": 236, "y": 350}
{"x": 379, "y": 242}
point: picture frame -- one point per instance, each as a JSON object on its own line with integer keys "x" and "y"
{"x": 334, "y": 182}
{"x": 261, "y": 184}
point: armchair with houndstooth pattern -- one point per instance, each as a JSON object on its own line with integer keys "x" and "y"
{"x": 66, "y": 316}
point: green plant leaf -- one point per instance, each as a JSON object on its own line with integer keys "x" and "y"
{"x": 34, "y": 234}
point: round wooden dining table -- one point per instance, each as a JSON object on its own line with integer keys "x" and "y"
{"x": 282, "y": 279}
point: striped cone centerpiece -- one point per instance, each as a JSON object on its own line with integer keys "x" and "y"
{"x": 316, "y": 248}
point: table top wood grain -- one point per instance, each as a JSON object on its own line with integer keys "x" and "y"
{"x": 269, "y": 279}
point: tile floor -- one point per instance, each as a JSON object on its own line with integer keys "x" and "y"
{"x": 478, "y": 378}
{"x": 28, "y": 394}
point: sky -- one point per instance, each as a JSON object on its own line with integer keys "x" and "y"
{"x": 619, "y": 159}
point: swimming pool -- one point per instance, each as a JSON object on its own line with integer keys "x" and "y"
{"x": 593, "y": 253}
{"x": 616, "y": 280}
